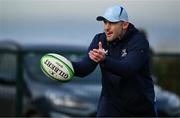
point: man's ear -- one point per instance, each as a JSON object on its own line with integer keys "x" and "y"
{"x": 125, "y": 25}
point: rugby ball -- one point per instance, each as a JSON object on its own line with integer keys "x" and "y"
{"x": 57, "y": 67}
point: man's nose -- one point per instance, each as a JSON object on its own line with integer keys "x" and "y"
{"x": 107, "y": 26}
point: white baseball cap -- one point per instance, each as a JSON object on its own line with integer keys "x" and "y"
{"x": 114, "y": 14}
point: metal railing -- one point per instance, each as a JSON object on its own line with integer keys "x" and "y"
{"x": 11, "y": 51}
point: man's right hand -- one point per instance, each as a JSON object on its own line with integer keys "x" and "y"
{"x": 97, "y": 55}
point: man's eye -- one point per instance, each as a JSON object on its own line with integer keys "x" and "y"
{"x": 105, "y": 22}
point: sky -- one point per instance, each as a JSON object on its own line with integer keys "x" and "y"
{"x": 74, "y": 21}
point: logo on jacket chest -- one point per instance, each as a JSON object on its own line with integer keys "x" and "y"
{"x": 123, "y": 53}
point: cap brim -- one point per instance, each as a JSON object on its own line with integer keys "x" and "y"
{"x": 100, "y": 18}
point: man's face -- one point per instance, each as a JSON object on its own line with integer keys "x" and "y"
{"x": 112, "y": 30}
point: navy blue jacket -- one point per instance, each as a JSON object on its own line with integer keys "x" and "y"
{"x": 126, "y": 77}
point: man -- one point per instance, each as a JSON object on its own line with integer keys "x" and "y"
{"x": 123, "y": 54}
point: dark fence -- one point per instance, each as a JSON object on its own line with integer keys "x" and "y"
{"x": 11, "y": 78}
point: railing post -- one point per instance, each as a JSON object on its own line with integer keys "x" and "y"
{"x": 19, "y": 84}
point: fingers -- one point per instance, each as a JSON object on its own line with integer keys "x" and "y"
{"x": 100, "y": 45}
{"x": 100, "y": 52}
{"x": 96, "y": 50}
{"x": 96, "y": 55}
{"x": 92, "y": 56}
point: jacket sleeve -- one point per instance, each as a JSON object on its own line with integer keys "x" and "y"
{"x": 86, "y": 65}
{"x": 137, "y": 56}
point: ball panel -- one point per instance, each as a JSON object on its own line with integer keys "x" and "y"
{"x": 50, "y": 65}
{"x": 44, "y": 71}
{"x": 65, "y": 61}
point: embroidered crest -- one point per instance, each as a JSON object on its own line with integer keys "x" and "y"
{"x": 105, "y": 51}
{"x": 123, "y": 53}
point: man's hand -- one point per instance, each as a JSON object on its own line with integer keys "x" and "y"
{"x": 97, "y": 55}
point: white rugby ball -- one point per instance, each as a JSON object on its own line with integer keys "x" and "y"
{"x": 57, "y": 67}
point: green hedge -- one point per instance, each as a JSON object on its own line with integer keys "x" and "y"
{"x": 166, "y": 68}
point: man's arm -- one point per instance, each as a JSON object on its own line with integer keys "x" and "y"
{"x": 86, "y": 65}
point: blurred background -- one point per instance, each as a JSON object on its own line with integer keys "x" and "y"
{"x": 31, "y": 28}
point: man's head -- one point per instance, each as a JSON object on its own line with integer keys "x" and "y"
{"x": 115, "y": 21}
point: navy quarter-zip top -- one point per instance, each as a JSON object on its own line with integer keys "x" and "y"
{"x": 127, "y": 86}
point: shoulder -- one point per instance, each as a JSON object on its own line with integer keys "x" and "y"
{"x": 139, "y": 40}
{"x": 136, "y": 36}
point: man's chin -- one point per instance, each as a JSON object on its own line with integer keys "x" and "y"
{"x": 109, "y": 39}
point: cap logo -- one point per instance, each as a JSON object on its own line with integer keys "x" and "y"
{"x": 120, "y": 12}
